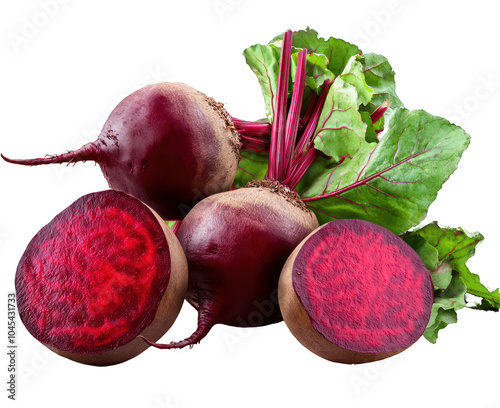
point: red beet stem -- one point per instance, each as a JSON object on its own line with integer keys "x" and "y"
{"x": 301, "y": 168}
{"x": 84, "y": 153}
{"x": 176, "y": 226}
{"x": 289, "y": 156}
{"x": 276, "y": 155}
{"x": 292, "y": 124}
{"x": 253, "y": 135}
{"x": 207, "y": 318}
{"x": 305, "y": 152}
{"x": 255, "y": 143}
{"x": 313, "y": 120}
{"x": 310, "y": 109}
{"x": 248, "y": 128}
{"x": 379, "y": 112}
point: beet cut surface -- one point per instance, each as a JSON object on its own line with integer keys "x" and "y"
{"x": 91, "y": 280}
{"x": 363, "y": 287}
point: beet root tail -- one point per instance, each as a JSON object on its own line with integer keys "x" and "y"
{"x": 84, "y": 153}
{"x": 206, "y": 321}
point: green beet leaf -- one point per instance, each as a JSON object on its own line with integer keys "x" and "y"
{"x": 380, "y": 77}
{"x": 487, "y": 306}
{"x": 442, "y": 276}
{"x": 264, "y": 61}
{"x": 444, "y": 309}
{"x": 252, "y": 166}
{"x": 452, "y": 278}
{"x": 325, "y": 59}
{"x": 392, "y": 183}
{"x": 341, "y": 130}
{"x": 455, "y": 246}
{"x": 318, "y": 167}
{"x": 372, "y": 129}
{"x": 427, "y": 253}
{"x": 353, "y": 74}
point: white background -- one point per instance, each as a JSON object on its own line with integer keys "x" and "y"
{"x": 59, "y": 82}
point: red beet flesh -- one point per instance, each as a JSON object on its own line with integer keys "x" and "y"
{"x": 363, "y": 288}
{"x": 166, "y": 144}
{"x": 92, "y": 279}
{"x": 236, "y": 244}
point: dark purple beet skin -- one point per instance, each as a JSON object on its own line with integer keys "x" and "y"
{"x": 247, "y": 273}
{"x": 236, "y": 244}
{"x": 182, "y": 160}
{"x": 166, "y": 144}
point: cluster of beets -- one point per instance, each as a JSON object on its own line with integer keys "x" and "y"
{"x": 106, "y": 278}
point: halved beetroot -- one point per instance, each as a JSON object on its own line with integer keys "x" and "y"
{"x": 353, "y": 292}
{"x": 102, "y": 272}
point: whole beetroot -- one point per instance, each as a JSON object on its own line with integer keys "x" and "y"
{"x": 166, "y": 144}
{"x": 236, "y": 244}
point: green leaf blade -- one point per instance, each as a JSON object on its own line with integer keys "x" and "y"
{"x": 264, "y": 61}
{"x": 353, "y": 74}
{"x": 341, "y": 129}
{"x": 392, "y": 183}
{"x": 455, "y": 247}
{"x": 252, "y": 166}
{"x": 381, "y": 78}
{"x": 444, "y": 309}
